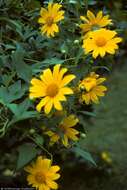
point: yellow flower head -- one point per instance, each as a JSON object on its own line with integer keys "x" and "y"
{"x": 66, "y": 129}
{"x": 51, "y": 88}
{"x": 91, "y": 88}
{"x": 94, "y": 22}
{"x": 106, "y": 157}
{"x": 100, "y": 42}
{"x": 42, "y": 174}
{"x": 49, "y": 18}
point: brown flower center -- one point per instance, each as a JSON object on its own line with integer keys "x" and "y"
{"x": 101, "y": 41}
{"x": 52, "y": 90}
{"x": 50, "y": 21}
{"x": 40, "y": 177}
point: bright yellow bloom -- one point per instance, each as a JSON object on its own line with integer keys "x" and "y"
{"x": 91, "y": 88}
{"x": 49, "y": 18}
{"x": 94, "y": 22}
{"x": 51, "y": 88}
{"x": 42, "y": 174}
{"x": 100, "y": 42}
{"x": 66, "y": 126}
{"x": 106, "y": 157}
{"x": 66, "y": 130}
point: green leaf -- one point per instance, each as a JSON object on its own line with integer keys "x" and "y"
{"x": 53, "y": 61}
{"x": 88, "y": 113}
{"x": 24, "y": 71}
{"x": 39, "y": 139}
{"x": 86, "y": 155}
{"x": 11, "y": 93}
{"x": 15, "y": 26}
{"x": 26, "y": 153}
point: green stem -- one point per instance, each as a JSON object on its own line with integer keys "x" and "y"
{"x": 41, "y": 147}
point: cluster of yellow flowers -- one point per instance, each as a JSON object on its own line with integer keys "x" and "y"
{"x": 96, "y": 38}
{"x": 52, "y": 86}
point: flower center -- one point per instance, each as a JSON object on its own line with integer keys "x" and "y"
{"x": 101, "y": 41}
{"x": 40, "y": 177}
{"x": 63, "y": 128}
{"x": 50, "y": 21}
{"x": 89, "y": 83}
{"x": 52, "y": 90}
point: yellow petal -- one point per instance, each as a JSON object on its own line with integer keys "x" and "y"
{"x": 101, "y": 88}
{"x": 43, "y": 11}
{"x": 54, "y": 176}
{"x": 84, "y": 19}
{"x": 99, "y": 15}
{"x": 43, "y": 187}
{"x": 55, "y": 28}
{"x": 95, "y": 53}
{"x": 29, "y": 169}
{"x": 94, "y": 98}
{"x": 56, "y": 71}
{"x": 66, "y": 90}
{"x": 67, "y": 79}
{"x": 45, "y": 163}
{"x": 61, "y": 97}
{"x": 52, "y": 184}
{"x": 65, "y": 141}
{"x": 54, "y": 168}
{"x": 61, "y": 73}
{"x": 70, "y": 121}
{"x": 46, "y": 77}
{"x": 102, "y": 52}
{"x": 100, "y": 80}
{"x": 90, "y": 15}
{"x": 42, "y": 103}
{"x": 37, "y": 82}
{"x": 86, "y": 98}
{"x": 48, "y": 106}
{"x": 57, "y": 104}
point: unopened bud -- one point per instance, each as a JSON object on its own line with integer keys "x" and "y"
{"x": 83, "y": 135}
{"x": 76, "y": 41}
{"x": 63, "y": 51}
{"x": 32, "y": 131}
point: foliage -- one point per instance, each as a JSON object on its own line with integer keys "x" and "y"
{"x": 24, "y": 54}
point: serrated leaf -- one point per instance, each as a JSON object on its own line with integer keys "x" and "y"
{"x": 26, "y": 153}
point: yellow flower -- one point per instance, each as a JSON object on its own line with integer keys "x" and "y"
{"x": 106, "y": 157}
{"x": 42, "y": 174}
{"x": 91, "y": 88}
{"x": 94, "y": 22}
{"x": 66, "y": 130}
{"x": 51, "y": 88}
{"x": 54, "y": 137}
{"x": 49, "y": 18}
{"x": 67, "y": 127}
{"x": 100, "y": 42}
